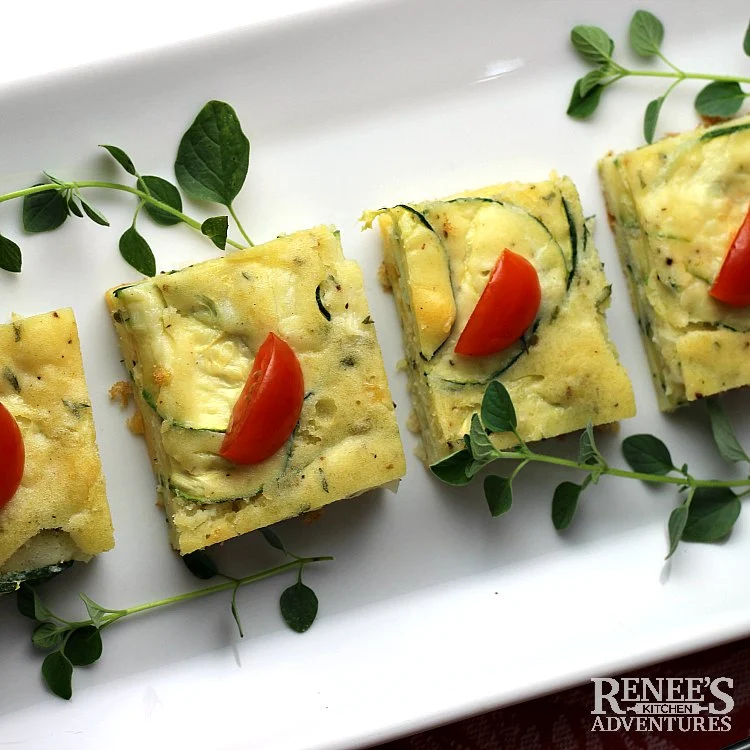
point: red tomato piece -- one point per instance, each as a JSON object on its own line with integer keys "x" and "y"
{"x": 506, "y": 308}
{"x": 732, "y": 284}
{"x": 269, "y": 406}
{"x": 12, "y": 456}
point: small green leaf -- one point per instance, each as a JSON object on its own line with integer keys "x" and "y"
{"x": 84, "y": 646}
{"x": 651, "y": 117}
{"x": 235, "y": 612}
{"x": 213, "y": 155}
{"x": 299, "y": 607}
{"x": 10, "y": 255}
{"x": 582, "y": 106}
{"x": 272, "y": 538}
{"x": 724, "y": 437}
{"x": 200, "y": 565}
{"x": 73, "y": 206}
{"x": 47, "y": 635}
{"x": 720, "y": 99}
{"x": 216, "y": 229}
{"x": 51, "y": 178}
{"x": 591, "y": 79}
{"x": 58, "y": 674}
{"x": 588, "y": 453}
{"x": 746, "y": 40}
{"x": 646, "y": 33}
{"x": 30, "y": 604}
{"x": 676, "y": 526}
{"x": 452, "y": 469}
{"x": 498, "y": 493}
{"x": 164, "y": 191}
{"x": 647, "y": 454}
{"x": 564, "y": 504}
{"x": 481, "y": 446}
{"x": 713, "y": 513}
{"x": 498, "y": 414}
{"x": 592, "y": 43}
{"x": 94, "y": 214}
{"x": 137, "y": 252}
{"x": 97, "y": 613}
{"x": 43, "y": 212}
{"x": 121, "y": 158}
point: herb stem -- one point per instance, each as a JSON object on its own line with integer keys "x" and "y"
{"x": 240, "y": 227}
{"x": 598, "y": 469}
{"x": 231, "y": 583}
{"x": 145, "y": 197}
{"x": 671, "y": 65}
{"x": 683, "y": 75}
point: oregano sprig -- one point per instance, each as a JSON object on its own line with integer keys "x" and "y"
{"x": 212, "y": 163}
{"x": 722, "y": 97}
{"x": 708, "y": 508}
{"x": 79, "y": 643}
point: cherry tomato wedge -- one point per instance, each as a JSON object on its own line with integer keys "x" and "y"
{"x": 12, "y": 456}
{"x": 506, "y": 308}
{"x": 268, "y": 407}
{"x": 732, "y": 284}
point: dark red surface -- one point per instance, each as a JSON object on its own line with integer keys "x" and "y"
{"x": 563, "y": 721}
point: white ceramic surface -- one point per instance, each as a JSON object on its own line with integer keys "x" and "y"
{"x": 432, "y": 610}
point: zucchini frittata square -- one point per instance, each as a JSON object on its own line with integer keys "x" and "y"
{"x": 437, "y": 257}
{"x": 189, "y": 339}
{"x": 675, "y": 207}
{"x": 60, "y": 511}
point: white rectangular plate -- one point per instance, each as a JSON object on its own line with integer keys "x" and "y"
{"x": 432, "y": 610}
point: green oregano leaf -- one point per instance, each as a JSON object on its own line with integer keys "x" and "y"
{"x": 647, "y": 454}
{"x": 588, "y": 453}
{"x": 499, "y": 494}
{"x": 48, "y": 635}
{"x": 273, "y": 539}
{"x": 646, "y": 33}
{"x": 592, "y": 79}
{"x": 45, "y": 211}
{"x": 676, "y": 526}
{"x": 84, "y": 646}
{"x": 136, "y": 251}
{"x": 452, "y": 469}
{"x": 216, "y": 229}
{"x": 10, "y": 255}
{"x": 200, "y": 564}
{"x": 30, "y": 604}
{"x": 213, "y": 156}
{"x": 592, "y": 43}
{"x": 121, "y": 158}
{"x": 73, "y": 206}
{"x": 235, "y": 612}
{"x": 720, "y": 99}
{"x": 581, "y": 105}
{"x": 299, "y": 607}
{"x": 93, "y": 213}
{"x": 498, "y": 414}
{"x": 482, "y": 449}
{"x": 651, "y": 118}
{"x": 57, "y": 672}
{"x": 723, "y": 433}
{"x": 746, "y": 40}
{"x": 713, "y": 513}
{"x": 97, "y": 613}
{"x": 564, "y": 504}
{"x": 164, "y": 191}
